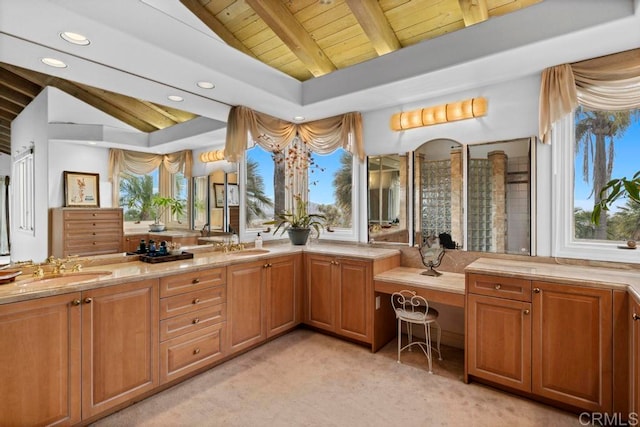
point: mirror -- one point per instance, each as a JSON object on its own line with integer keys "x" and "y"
{"x": 200, "y": 202}
{"x": 387, "y": 198}
{"x": 498, "y": 197}
{"x": 438, "y": 176}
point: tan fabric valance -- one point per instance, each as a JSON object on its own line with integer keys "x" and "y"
{"x": 142, "y": 163}
{"x": 273, "y": 134}
{"x": 609, "y": 82}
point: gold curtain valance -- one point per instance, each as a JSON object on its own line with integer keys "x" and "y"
{"x": 609, "y": 82}
{"x": 273, "y": 134}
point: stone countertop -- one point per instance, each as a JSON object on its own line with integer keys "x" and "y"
{"x": 570, "y": 274}
{"x": 449, "y": 282}
{"x": 168, "y": 233}
{"x": 124, "y": 269}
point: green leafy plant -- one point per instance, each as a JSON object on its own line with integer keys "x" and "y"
{"x": 159, "y": 205}
{"x": 614, "y": 190}
{"x": 298, "y": 218}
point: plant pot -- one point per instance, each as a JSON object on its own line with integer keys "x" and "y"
{"x": 298, "y": 236}
{"x": 156, "y": 227}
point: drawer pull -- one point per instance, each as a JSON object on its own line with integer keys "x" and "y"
{"x": 196, "y": 321}
{"x": 75, "y": 302}
{"x": 536, "y": 290}
{"x": 196, "y": 300}
{"x": 195, "y": 281}
{"x": 265, "y": 266}
{"x": 498, "y": 286}
{"x": 635, "y": 316}
{"x": 94, "y": 233}
{"x": 526, "y": 311}
{"x": 196, "y": 351}
{"x": 94, "y": 214}
{"x": 88, "y": 300}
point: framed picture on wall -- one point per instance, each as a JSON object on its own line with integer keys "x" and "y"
{"x": 219, "y": 192}
{"x": 234, "y": 195}
{"x": 81, "y": 189}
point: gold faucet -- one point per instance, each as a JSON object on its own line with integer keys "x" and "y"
{"x": 38, "y": 271}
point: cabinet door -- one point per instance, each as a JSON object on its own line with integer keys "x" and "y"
{"x": 354, "y": 299}
{"x": 319, "y": 298}
{"x": 132, "y": 242}
{"x": 499, "y": 341}
{"x": 40, "y": 362}
{"x": 635, "y": 357}
{"x": 283, "y": 294}
{"x": 119, "y": 344}
{"x": 572, "y": 336}
{"x": 245, "y": 311}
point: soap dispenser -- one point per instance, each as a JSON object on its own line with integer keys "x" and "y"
{"x": 258, "y": 243}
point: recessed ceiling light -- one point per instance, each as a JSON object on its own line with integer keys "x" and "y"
{"x": 91, "y": 142}
{"x": 52, "y": 62}
{"x": 205, "y": 85}
{"x": 175, "y": 98}
{"x": 74, "y": 38}
{"x": 298, "y": 118}
{"x": 325, "y": 1}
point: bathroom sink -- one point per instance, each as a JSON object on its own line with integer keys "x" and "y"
{"x": 249, "y": 252}
{"x": 66, "y": 278}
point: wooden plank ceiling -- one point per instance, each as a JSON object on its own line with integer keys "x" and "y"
{"x": 18, "y": 87}
{"x": 310, "y": 38}
{"x": 302, "y": 38}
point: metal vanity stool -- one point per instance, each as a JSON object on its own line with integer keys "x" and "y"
{"x": 414, "y": 310}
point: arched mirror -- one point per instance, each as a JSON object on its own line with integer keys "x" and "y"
{"x": 438, "y": 191}
{"x": 387, "y": 198}
{"x": 498, "y": 197}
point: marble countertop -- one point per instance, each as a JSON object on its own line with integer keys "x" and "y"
{"x": 449, "y": 282}
{"x": 126, "y": 269}
{"x": 570, "y": 274}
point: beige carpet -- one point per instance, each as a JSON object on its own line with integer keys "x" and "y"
{"x": 308, "y": 379}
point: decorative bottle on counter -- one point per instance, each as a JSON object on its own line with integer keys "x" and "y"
{"x": 258, "y": 243}
{"x": 143, "y": 247}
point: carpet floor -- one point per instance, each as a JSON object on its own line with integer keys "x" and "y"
{"x": 308, "y": 379}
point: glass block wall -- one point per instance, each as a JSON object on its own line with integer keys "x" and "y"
{"x": 479, "y": 205}
{"x": 436, "y": 197}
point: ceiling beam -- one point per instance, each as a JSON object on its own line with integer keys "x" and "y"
{"x": 14, "y": 96}
{"x": 375, "y": 25}
{"x": 7, "y": 115}
{"x": 10, "y": 107}
{"x": 473, "y": 11}
{"x": 5, "y": 124}
{"x": 215, "y": 25}
{"x": 277, "y": 16}
{"x": 17, "y": 83}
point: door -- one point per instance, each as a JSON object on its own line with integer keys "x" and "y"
{"x": 572, "y": 336}
{"x": 319, "y": 296}
{"x": 119, "y": 344}
{"x": 245, "y": 310}
{"x": 354, "y": 299}
{"x": 40, "y": 361}
{"x": 283, "y": 294}
{"x": 635, "y": 356}
{"x": 499, "y": 341}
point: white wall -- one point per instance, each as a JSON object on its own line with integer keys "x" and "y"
{"x": 5, "y": 164}
{"x": 77, "y": 158}
{"x": 26, "y": 129}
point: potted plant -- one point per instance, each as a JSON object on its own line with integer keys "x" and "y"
{"x": 298, "y": 223}
{"x": 160, "y": 205}
{"x": 615, "y": 189}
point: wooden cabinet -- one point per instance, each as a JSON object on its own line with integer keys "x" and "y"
{"x": 339, "y": 296}
{"x": 85, "y": 231}
{"x": 557, "y": 346}
{"x": 264, "y": 299}
{"x": 119, "y": 344}
{"x": 634, "y": 359}
{"x": 184, "y": 240}
{"x": 193, "y": 313}
{"x": 131, "y": 242}
{"x": 40, "y": 361}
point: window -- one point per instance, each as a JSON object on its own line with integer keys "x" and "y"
{"x": 260, "y": 189}
{"x": 180, "y": 190}
{"x": 589, "y": 148}
{"x": 25, "y": 190}
{"x": 135, "y": 196}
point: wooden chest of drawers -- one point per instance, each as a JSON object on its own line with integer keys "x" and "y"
{"x": 85, "y": 231}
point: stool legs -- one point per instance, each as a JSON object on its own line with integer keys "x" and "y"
{"x": 425, "y": 346}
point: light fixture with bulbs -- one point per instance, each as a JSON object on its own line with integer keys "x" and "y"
{"x": 460, "y": 110}
{"x": 74, "y": 38}
{"x": 53, "y": 62}
{"x": 212, "y": 156}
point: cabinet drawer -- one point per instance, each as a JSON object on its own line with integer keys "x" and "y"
{"x": 88, "y": 247}
{"x": 92, "y": 214}
{"x": 192, "y": 351}
{"x": 188, "y": 282}
{"x": 501, "y": 287}
{"x": 192, "y": 301}
{"x": 88, "y": 226}
{"x": 92, "y": 233}
{"x": 190, "y": 322}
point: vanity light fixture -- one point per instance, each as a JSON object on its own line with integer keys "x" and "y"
{"x": 75, "y": 38}
{"x": 460, "y": 110}
{"x": 205, "y": 85}
{"x": 212, "y": 156}
{"x": 175, "y": 98}
{"x": 52, "y": 62}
